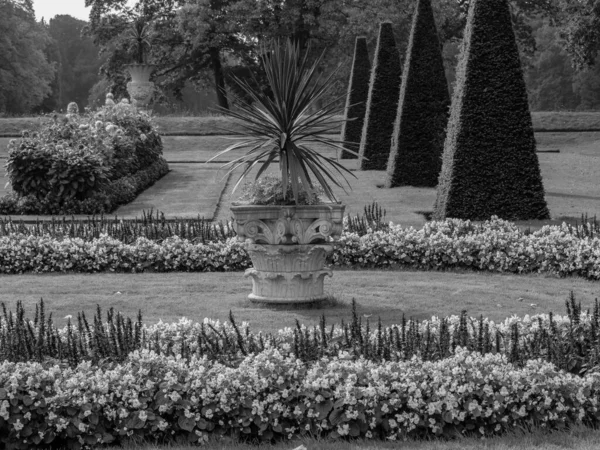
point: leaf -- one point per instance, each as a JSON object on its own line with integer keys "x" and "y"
{"x": 354, "y": 429}
{"x": 324, "y": 409}
{"x": 186, "y": 423}
{"x": 448, "y": 417}
{"x": 337, "y": 416}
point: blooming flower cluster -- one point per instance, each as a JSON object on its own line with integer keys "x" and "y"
{"x": 270, "y": 395}
{"x": 495, "y": 245}
{"x": 75, "y": 164}
{"x": 21, "y": 253}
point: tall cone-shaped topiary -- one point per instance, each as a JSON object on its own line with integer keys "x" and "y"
{"x": 356, "y": 102}
{"x": 423, "y": 109}
{"x": 384, "y": 88}
{"x": 489, "y": 165}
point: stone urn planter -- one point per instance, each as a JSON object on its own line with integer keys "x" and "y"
{"x": 140, "y": 88}
{"x": 288, "y": 246}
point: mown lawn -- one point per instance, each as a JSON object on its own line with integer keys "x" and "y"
{"x": 385, "y": 294}
{"x": 193, "y": 188}
{"x": 580, "y": 439}
{"x": 212, "y": 124}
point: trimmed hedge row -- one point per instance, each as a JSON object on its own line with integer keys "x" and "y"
{"x": 495, "y": 245}
{"x": 113, "y": 194}
{"x": 490, "y": 166}
{"x": 269, "y": 396}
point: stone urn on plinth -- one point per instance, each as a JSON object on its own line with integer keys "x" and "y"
{"x": 140, "y": 88}
{"x": 288, "y": 246}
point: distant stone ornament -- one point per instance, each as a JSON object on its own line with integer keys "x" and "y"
{"x": 140, "y": 88}
{"x": 288, "y": 246}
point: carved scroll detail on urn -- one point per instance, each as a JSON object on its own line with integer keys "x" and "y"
{"x": 289, "y": 228}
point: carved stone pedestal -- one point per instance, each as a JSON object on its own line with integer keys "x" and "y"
{"x": 288, "y": 273}
{"x": 288, "y": 246}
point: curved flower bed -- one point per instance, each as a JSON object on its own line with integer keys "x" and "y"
{"x": 271, "y": 396}
{"x": 495, "y": 245}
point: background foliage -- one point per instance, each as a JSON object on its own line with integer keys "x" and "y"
{"x": 198, "y": 44}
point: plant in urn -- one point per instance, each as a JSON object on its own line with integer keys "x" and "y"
{"x": 140, "y": 88}
{"x": 289, "y": 218}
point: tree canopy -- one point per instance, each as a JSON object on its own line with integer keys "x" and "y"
{"x": 25, "y": 72}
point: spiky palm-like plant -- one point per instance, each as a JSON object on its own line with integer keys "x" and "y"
{"x": 284, "y": 121}
{"x": 139, "y": 33}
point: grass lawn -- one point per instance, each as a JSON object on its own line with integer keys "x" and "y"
{"x": 214, "y": 124}
{"x": 569, "y": 179}
{"x": 385, "y": 294}
{"x": 193, "y": 188}
{"x": 580, "y": 439}
{"x": 186, "y": 191}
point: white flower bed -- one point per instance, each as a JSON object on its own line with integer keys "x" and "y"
{"x": 496, "y": 246}
{"x": 270, "y": 395}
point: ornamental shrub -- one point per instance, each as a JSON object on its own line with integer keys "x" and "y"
{"x": 494, "y": 246}
{"x": 71, "y": 165}
{"x": 423, "y": 108}
{"x": 490, "y": 166}
{"x": 271, "y": 396}
{"x": 382, "y": 102}
{"x": 356, "y": 101}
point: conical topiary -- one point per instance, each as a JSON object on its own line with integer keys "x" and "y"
{"x": 489, "y": 165}
{"x": 423, "y": 109}
{"x": 384, "y": 88}
{"x": 356, "y": 102}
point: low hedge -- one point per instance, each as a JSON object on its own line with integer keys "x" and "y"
{"x": 268, "y": 396}
{"x": 109, "y": 196}
{"x": 495, "y": 245}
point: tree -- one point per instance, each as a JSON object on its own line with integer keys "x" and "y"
{"x": 581, "y": 30}
{"x": 423, "y": 108}
{"x": 384, "y": 88}
{"x": 490, "y": 166}
{"x": 25, "y": 73}
{"x": 79, "y": 61}
{"x": 551, "y": 78}
{"x": 356, "y": 101}
{"x": 188, "y": 37}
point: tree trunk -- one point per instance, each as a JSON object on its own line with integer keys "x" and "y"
{"x": 215, "y": 59}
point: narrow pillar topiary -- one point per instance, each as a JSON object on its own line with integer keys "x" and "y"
{"x": 489, "y": 165}
{"x": 384, "y": 89}
{"x": 356, "y": 102}
{"x": 423, "y": 109}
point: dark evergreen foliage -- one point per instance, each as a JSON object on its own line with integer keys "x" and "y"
{"x": 423, "y": 108}
{"x": 489, "y": 164}
{"x": 384, "y": 89}
{"x": 356, "y": 102}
